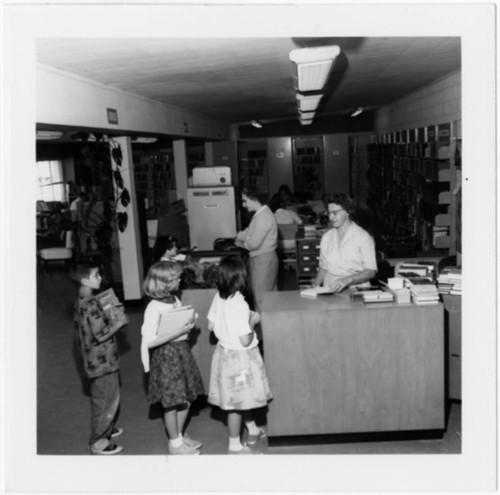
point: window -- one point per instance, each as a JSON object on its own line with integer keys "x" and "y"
{"x": 51, "y": 185}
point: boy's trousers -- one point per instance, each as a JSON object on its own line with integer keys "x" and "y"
{"x": 104, "y": 403}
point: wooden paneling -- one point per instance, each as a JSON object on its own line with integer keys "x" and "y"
{"x": 203, "y": 343}
{"x": 337, "y": 368}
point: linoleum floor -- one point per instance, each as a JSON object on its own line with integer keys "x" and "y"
{"x": 63, "y": 409}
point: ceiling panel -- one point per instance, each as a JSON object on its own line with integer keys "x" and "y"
{"x": 240, "y": 79}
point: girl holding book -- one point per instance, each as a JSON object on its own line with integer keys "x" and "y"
{"x": 174, "y": 377}
{"x": 238, "y": 380}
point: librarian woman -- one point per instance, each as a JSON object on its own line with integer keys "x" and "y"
{"x": 260, "y": 239}
{"x": 347, "y": 252}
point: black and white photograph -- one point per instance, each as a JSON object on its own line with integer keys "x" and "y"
{"x": 205, "y": 201}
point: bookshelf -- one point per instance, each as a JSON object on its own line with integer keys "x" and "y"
{"x": 154, "y": 173}
{"x": 253, "y": 166}
{"x": 195, "y": 157}
{"x": 411, "y": 177}
{"x": 308, "y": 167}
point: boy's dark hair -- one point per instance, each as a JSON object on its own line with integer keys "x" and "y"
{"x": 82, "y": 271}
{"x": 232, "y": 277}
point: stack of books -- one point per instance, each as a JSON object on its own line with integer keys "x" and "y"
{"x": 372, "y": 294}
{"x": 450, "y": 281}
{"x": 423, "y": 290}
{"x": 376, "y": 296}
{"x": 420, "y": 269}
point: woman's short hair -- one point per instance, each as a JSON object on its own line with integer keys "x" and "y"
{"x": 232, "y": 277}
{"x": 161, "y": 279}
{"x": 255, "y": 194}
{"x": 341, "y": 199}
{"x": 163, "y": 242}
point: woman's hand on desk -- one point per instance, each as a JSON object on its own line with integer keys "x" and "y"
{"x": 342, "y": 283}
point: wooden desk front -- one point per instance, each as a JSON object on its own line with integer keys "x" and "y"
{"x": 338, "y": 368}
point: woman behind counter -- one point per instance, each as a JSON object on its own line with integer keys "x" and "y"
{"x": 347, "y": 252}
{"x": 260, "y": 238}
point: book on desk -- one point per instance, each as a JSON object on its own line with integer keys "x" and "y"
{"x": 316, "y": 291}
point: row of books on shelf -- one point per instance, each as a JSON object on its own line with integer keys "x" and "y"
{"x": 449, "y": 281}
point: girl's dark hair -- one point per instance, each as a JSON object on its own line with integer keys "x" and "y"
{"x": 255, "y": 194}
{"x": 343, "y": 200}
{"x": 233, "y": 277}
{"x": 163, "y": 242}
{"x": 276, "y": 203}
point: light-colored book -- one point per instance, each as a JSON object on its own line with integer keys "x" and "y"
{"x": 112, "y": 307}
{"x": 173, "y": 320}
{"x": 316, "y": 291}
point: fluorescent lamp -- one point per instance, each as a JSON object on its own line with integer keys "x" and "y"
{"x": 306, "y": 121}
{"x": 256, "y": 124}
{"x": 307, "y": 115}
{"x": 47, "y": 135}
{"x": 311, "y": 66}
{"x": 144, "y": 139}
{"x": 308, "y": 103}
{"x": 357, "y": 112}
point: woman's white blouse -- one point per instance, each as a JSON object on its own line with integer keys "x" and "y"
{"x": 355, "y": 253}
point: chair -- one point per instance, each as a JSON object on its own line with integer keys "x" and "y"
{"x": 286, "y": 248}
{"x": 62, "y": 253}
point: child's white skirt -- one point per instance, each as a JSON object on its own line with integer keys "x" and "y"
{"x": 238, "y": 379}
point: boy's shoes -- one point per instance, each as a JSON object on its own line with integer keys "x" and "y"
{"x": 116, "y": 432}
{"x": 111, "y": 449}
{"x": 183, "y": 450}
{"x": 190, "y": 442}
{"x": 252, "y": 439}
{"x": 245, "y": 450}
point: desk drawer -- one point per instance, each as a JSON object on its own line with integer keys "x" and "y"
{"x": 308, "y": 258}
{"x": 308, "y": 246}
{"x": 307, "y": 269}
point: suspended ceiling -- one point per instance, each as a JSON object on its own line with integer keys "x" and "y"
{"x": 237, "y": 80}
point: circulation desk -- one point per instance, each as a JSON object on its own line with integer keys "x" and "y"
{"x": 339, "y": 368}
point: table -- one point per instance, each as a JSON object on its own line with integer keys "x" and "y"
{"x": 336, "y": 368}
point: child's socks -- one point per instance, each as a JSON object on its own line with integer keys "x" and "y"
{"x": 235, "y": 444}
{"x": 175, "y": 442}
{"x": 252, "y": 428}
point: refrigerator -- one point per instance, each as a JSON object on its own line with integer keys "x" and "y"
{"x": 211, "y": 214}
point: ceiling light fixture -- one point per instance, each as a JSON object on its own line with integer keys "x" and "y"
{"x": 47, "y": 135}
{"x": 256, "y": 124}
{"x": 311, "y": 66}
{"x": 306, "y": 115}
{"x": 308, "y": 103}
{"x": 306, "y": 121}
{"x": 357, "y": 112}
{"x": 144, "y": 139}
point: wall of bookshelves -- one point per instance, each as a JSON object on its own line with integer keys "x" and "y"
{"x": 253, "y": 166}
{"x": 308, "y": 168}
{"x": 412, "y": 174}
{"x": 155, "y": 179}
{"x": 195, "y": 157}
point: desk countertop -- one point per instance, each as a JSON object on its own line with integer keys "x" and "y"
{"x": 293, "y": 301}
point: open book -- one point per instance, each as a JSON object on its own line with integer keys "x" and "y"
{"x": 173, "y": 320}
{"x": 316, "y": 291}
